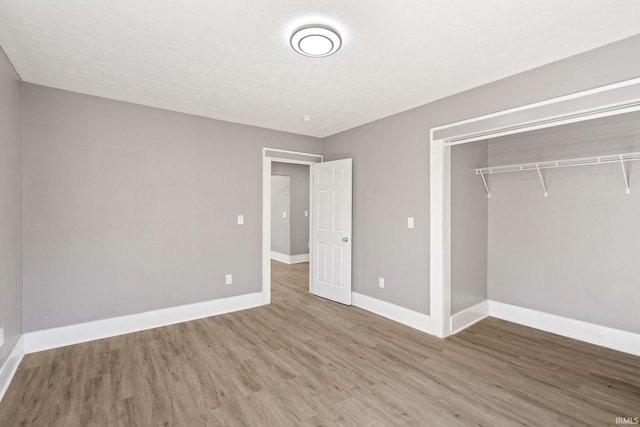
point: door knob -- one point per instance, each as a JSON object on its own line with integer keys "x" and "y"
{"x": 345, "y": 239}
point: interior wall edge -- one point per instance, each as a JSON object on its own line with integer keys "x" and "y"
{"x": 11, "y": 206}
{"x": 469, "y": 316}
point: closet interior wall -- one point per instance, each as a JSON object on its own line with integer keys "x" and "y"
{"x": 574, "y": 253}
{"x": 11, "y": 202}
{"x": 469, "y": 221}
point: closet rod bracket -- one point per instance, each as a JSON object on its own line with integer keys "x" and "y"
{"x": 627, "y": 190}
{"x": 486, "y": 186}
{"x": 544, "y": 187}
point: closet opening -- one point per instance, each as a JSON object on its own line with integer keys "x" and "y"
{"x": 536, "y": 221}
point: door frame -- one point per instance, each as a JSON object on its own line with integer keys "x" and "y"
{"x": 604, "y": 101}
{"x": 267, "y": 159}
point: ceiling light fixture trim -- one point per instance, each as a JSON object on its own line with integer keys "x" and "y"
{"x": 316, "y": 40}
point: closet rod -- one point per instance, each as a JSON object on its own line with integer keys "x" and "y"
{"x": 551, "y": 164}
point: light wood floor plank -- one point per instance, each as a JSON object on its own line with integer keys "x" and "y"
{"x": 306, "y": 361}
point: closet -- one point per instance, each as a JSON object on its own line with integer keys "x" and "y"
{"x": 535, "y": 217}
{"x": 562, "y": 229}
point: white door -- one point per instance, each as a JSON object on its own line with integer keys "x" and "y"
{"x": 331, "y": 231}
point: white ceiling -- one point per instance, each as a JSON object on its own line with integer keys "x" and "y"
{"x": 231, "y": 59}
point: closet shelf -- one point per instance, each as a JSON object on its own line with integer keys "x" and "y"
{"x": 551, "y": 164}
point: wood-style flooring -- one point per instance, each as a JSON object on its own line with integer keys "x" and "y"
{"x": 305, "y": 361}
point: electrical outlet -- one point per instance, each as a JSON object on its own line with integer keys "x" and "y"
{"x": 410, "y": 222}
{"x": 381, "y": 282}
{"x": 240, "y": 219}
{"x": 1, "y": 337}
{"x": 228, "y": 279}
{"x": 306, "y": 213}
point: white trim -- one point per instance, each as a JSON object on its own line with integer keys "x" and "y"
{"x": 310, "y": 246}
{"x": 297, "y": 259}
{"x": 440, "y": 238}
{"x": 628, "y": 342}
{"x": 543, "y": 103}
{"x": 280, "y": 257}
{"x": 469, "y": 316}
{"x": 10, "y": 366}
{"x": 413, "y": 319}
{"x": 290, "y": 161}
{"x": 298, "y": 153}
{"x": 289, "y": 259}
{"x": 83, "y": 332}
{"x": 266, "y": 229}
{"x": 543, "y": 124}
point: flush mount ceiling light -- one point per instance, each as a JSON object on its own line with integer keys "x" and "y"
{"x": 316, "y": 41}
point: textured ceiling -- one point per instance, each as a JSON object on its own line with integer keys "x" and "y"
{"x": 231, "y": 60}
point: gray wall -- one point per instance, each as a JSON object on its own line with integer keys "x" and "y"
{"x": 469, "y": 216}
{"x": 575, "y": 253}
{"x": 10, "y": 205}
{"x": 299, "y": 175}
{"x": 130, "y": 208}
{"x": 391, "y": 166}
{"x": 281, "y": 206}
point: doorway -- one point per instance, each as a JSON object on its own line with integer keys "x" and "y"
{"x": 287, "y": 212}
{"x": 329, "y": 218}
{"x": 290, "y": 190}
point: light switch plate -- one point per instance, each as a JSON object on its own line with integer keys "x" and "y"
{"x": 240, "y": 219}
{"x": 228, "y": 279}
{"x": 284, "y": 214}
{"x": 410, "y": 222}
{"x": 381, "y": 282}
{"x": 1, "y": 337}
{"x": 306, "y": 213}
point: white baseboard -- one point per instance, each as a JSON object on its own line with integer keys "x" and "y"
{"x": 280, "y": 257}
{"x": 616, "y": 339}
{"x": 10, "y": 366}
{"x": 295, "y": 259}
{"x": 469, "y": 316}
{"x": 289, "y": 259}
{"x": 83, "y": 332}
{"x": 394, "y": 312}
